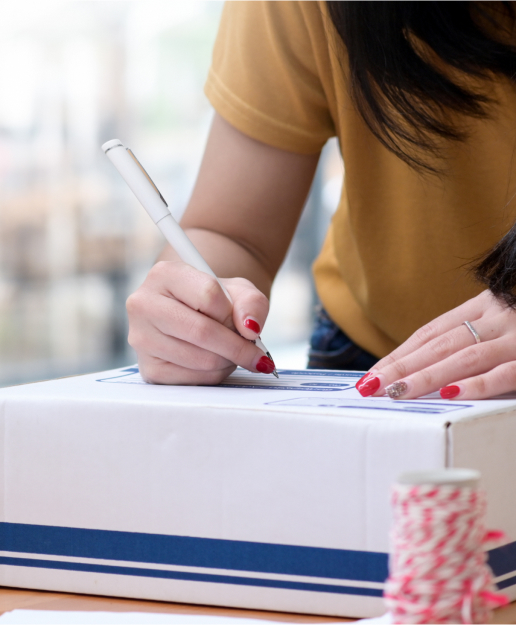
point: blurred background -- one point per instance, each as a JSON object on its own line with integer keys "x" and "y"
{"x": 74, "y": 242}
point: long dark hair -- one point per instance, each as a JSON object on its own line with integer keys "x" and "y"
{"x": 408, "y": 62}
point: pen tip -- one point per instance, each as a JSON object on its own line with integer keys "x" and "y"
{"x": 275, "y": 372}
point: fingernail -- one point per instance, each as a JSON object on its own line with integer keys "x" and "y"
{"x": 363, "y": 379}
{"x": 265, "y": 365}
{"x": 399, "y": 388}
{"x": 369, "y": 387}
{"x": 252, "y": 325}
{"x": 449, "y": 392}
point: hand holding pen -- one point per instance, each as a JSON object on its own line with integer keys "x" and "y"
{"x": 198, "y": 344}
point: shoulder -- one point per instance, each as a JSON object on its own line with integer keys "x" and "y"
{"x": 270, "y": 65}
{"x": 287, "y": 22}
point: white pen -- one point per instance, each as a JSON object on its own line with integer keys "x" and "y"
{"x": 141, "y": 184}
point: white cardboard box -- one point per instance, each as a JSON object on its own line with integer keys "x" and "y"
{"x": 259, "y": 493}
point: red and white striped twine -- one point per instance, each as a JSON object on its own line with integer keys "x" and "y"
{"x": 438, "y": 570}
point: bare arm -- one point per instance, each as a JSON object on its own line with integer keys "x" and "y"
{"x": 246, "y": 204}
{"x": 242, "y": 214}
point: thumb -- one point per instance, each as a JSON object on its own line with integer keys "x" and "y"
{"x": 250, "y": 307}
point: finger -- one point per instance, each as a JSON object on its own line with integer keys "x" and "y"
{"x": 175, "y": 319}
{"x": 437, "y": 350}
{"x": 156, "y": 371}
{"x": 500, "y": 380}
{"x": 198, "y": 290}
{"x": 169, "y": 349}
{"x": 178, "y": 320}
{"x": 250, "y": 307}
{"x": 469, "y": 311}
{"x": 471, "y": 361}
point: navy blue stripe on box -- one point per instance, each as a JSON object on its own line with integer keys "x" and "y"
{"x": 212, "y": 553}
{"x": 192, "y": 577}
{"x": 232, "y": 555}
{"x": 506, "y": 583}
{"x": 502, "y": 560}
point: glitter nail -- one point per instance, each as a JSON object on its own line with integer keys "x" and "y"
{"x": 397, "y": 389}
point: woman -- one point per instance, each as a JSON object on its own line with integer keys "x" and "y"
{"x": 421, "y": 97}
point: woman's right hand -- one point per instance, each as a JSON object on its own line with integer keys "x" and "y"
{"x": 241, "y": 217}
{"x": 185, "y": 330}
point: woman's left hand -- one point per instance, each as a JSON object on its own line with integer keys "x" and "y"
{"x": 444, "y": 356}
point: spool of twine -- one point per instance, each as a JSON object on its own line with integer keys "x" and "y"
{"x": 437, "y": 568}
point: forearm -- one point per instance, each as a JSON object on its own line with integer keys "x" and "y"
{"x": 227, "y": 258}
{"x": 245, "y": 205}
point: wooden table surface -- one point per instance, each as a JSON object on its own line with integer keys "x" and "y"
{"x": 19, "y": 599}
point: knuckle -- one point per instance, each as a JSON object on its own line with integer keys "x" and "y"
{"x": 152, "y": 374}
{"x": 426, "y": 377}
{"x": 487, "y": 296}
{"x": 209, "y": 292}
{"x": 159, "y": 269}
{"x": 252, "y": 294}
{"x": 469, "y": 359}
{"x": 241, "y": 352}
{"x": 135, "y": 339}
{"x": 199, "y": 332}
{"x": 400, "y": 369}
{"x": 480, "y": 385}
{"x": 209, "y": 362}
{"x": 508, "y": 375}
{"x": 134, "y": 303}
{"x": 256, "y": 296}
{"x": 426, "y": 333}
{"x": 257, "y": 300}
{"x": 442, "y": 347}
{"x": 387, "y": 361}
{"x": 511, "y": 370}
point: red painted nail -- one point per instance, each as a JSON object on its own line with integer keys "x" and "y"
{"x": 449, "y": 392}
{"x": 369, "y": 387}
{"x": 252, "y": 325}
{"x": 265, "y": 365}
{"x": 362, "y": 380}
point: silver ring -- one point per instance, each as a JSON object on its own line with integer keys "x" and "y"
{"x": 472, "y": 330}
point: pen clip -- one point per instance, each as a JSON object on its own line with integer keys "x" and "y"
{"x": 146, "y": 175}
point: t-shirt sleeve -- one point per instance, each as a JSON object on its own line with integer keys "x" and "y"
{"x": 264, "y": 78}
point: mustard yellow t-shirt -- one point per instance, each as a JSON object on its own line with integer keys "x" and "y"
{"x": 397, "y": 251}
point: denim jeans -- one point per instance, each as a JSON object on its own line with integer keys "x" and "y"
{"x": 330, "y": 348}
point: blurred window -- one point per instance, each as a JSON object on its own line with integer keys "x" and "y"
{"x": 73, "y": 240}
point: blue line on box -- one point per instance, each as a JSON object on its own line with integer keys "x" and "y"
{"x": 135, "y": 547}
{"x": 241, "y": 384}
{"x": 502, "y": 560}
{"x": 506, "y": 583}
{"x": 234, "y": 555}
{"x": 192, "y": 577}
{"x": 277, "y": 387}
